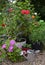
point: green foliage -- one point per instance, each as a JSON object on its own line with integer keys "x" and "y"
{"x": 2, "y": 4}
{"x": 27, "y": 45}
{"x": 38, "y": 31}
{"x": 2, "y": 54}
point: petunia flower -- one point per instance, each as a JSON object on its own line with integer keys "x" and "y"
{"x": 12, "y": 42}
{"x": 3, "y": 46}
{"x": 10, "y": 49}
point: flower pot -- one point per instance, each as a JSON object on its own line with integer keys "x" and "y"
{"x": 21, "y": 43}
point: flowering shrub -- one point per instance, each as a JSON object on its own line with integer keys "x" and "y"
{"x": 17, "y": 18}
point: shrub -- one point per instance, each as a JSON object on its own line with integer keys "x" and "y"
{"x": 38, "y": 31}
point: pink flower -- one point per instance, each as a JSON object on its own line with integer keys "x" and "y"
{"x": 12, "y": 42}
{"x": 3, "y": 46}
{"x": 10, "y": 49}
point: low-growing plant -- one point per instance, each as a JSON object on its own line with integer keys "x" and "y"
{"x": 12, "y": 52}
{"x": 2, "y": 54}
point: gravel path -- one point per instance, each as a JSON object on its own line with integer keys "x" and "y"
{"x": 38, "y": 59}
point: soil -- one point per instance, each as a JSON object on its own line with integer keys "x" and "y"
{"x": 33, "y": 59}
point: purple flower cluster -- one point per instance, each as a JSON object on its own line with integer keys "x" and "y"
{"x": 10, "y": 49}
{"x": 12, "y": 42}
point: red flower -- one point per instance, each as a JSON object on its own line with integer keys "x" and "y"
{"x": 10, "y": 9}
{"x": 25, "y": 12}
{"x": 3, "y": 25}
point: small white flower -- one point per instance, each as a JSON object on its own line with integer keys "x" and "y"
{"x": 35, "y": 13}
{"x": 21, "y": 53}
{"x": 14, "y": 2}
{"x": 0, "y": 13}
{"x": 10, "y": 0}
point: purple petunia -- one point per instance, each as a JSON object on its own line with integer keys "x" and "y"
{"x": 12, "y": 42}
{"x": 10, "y": 49}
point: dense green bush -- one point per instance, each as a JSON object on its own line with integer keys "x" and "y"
{"x": 2, "y": 4}
{"x": 38, "y": 31}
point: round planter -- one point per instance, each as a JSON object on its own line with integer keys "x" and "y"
{"x": 20, "y": 44}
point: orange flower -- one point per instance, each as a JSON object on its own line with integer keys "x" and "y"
{"x": 33, "y": 16}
